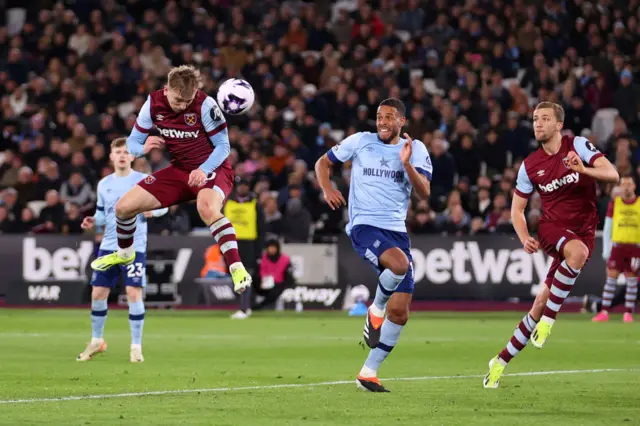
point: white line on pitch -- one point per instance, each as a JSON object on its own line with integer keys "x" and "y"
{"x": 296, "y": 385}
{"x": 354, "y": 337}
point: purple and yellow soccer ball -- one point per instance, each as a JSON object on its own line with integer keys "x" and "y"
{"x": 235, "y": 96}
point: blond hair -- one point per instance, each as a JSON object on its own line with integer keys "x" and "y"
{"x": 118, "y": 143}
{"x": 558, "y": 111}
{"x": 185, "y": 79}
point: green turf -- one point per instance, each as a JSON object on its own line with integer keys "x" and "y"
{"x": 206, "y": 350}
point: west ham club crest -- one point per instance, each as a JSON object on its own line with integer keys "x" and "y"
{"x": 149, "y": 179}
{"x": 565, "y": 161}
{"x": 191, "y": 119}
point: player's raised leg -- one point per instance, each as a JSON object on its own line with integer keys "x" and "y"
{"x": 397, "y": 317}
{"x": 608, "y": 294}
{"x": 395, "y": 264}
{"x": 210, "y": 202}
{"x": 134, "y": 202}
{"x": 99, "y": 296}
{"x": 576, "y": 254}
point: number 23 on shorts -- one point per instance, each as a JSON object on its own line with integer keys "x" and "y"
{"x": 135, "y": 270}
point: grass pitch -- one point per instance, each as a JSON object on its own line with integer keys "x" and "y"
{"x": 298, "y": 369}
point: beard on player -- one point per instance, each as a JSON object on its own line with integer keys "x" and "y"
{"x": 387, "y": 133}
{"x": 544, "y": 133}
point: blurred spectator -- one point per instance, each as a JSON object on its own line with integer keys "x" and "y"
{"x": 77, "y": 190}
{"x": 457, "y": 221}
{"x": 25, "y": 186}
{"x": 444, "y": 169}
{"x": 274, "y": 275}
{"x": 72, "y": 221}
{"x": 27, "y": 221}
{"x": 273, "y": 218}
{"x": 424, "y": 222}
{"x": 6, "y": 224}
{"x": 52, "y": 215}
{"x": 626, "y": 98}
{"x": 49, "y": 178}
{"x": 10, "y": 201}
{"x": 297, "y": 218}
{"x": 496, "y": 216}
{"x": 477, "y": 226}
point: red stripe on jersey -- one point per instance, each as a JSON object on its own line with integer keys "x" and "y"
{"x": 141, "y": 129}
{"x": 594, "y": 158}
{"x": 522, "y": 194}
{"x": 217, "y": 129}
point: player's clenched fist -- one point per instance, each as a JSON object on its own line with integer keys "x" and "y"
{"x": 531, "y": 245}
{"x": 153, "y": 142}
{"x": 197, "y": 178}
{"x": 88, "y": 222}
{"x": 575, "y": 162}
{"x": 334, "y": 198}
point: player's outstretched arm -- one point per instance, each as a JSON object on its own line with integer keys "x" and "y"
{"x": 518, "y": 205}
{"x": 332, "y": 196}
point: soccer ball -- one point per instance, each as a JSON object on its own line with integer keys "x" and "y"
{"x": 235, "y": 96}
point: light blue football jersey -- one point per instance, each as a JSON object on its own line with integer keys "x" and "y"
{"x": 110, "y": 190}
{"x": 380, "y": 189}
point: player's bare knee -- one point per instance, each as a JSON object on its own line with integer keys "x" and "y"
{"x": 207, "y": 210}
{"x": 398, "y": 264}
{"x": 397, "y": 315}
{"x": 100, "y": 293}
{"x": 134, "y": 294}
{"x": 401, "y": 267}
{"x": 209, "y": 206}
{"x": 577, "y": 256}
{"x": 124, "y": 209}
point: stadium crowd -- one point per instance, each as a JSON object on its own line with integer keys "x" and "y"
{"x": 73, "y": 75}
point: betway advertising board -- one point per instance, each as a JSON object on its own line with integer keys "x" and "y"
{"x": 54, "y": 270}
{"x": 487, "y": 267}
